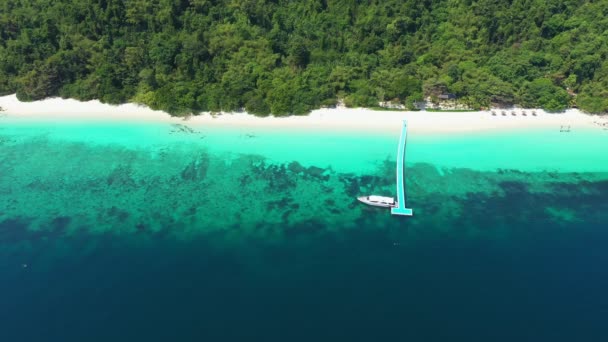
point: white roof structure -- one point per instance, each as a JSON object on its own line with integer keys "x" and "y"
{"x": 381, "y": 199}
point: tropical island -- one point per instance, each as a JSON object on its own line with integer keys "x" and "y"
{"x": 284, "y": 57}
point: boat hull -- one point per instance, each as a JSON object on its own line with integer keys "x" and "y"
{"x": 377, "y": 201}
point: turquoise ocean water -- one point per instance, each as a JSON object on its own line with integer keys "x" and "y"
{"x": 150, "y": 231}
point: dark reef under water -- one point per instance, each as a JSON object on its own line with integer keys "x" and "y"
{"x": 126, "y": 246}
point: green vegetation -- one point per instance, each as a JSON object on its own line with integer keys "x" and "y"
{"x": 387, "y": 109}
{"x": 288, "y": 57}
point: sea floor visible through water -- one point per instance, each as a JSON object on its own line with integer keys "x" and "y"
{"x": 174, "y": 233}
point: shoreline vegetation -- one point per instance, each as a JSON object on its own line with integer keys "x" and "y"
{"x": 337, "y": 119}
{"x": 292, "y": 57}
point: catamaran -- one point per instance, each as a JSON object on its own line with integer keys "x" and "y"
{"x": 397, "y": 206}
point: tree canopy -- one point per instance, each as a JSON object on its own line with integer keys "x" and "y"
{"x": 288, "y": 57}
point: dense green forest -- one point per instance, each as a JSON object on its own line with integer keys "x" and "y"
{"x": 288, "y": 56}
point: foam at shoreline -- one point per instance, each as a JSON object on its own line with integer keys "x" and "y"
{"x": 335, "y": 119}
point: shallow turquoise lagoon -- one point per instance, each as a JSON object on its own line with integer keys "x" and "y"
{"x": 580, "y": 150}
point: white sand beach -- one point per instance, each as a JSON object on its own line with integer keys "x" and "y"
{"x": 350, "y": 119}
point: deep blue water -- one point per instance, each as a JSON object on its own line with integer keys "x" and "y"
{"x": 359, "y": 285}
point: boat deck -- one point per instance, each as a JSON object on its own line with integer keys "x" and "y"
{"x": 400, "y": 209}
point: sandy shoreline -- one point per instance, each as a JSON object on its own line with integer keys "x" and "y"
{"x": 348, "y": 119}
